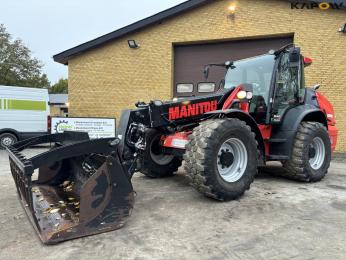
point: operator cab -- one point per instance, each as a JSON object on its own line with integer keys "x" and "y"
{"x": 277, "y": 81}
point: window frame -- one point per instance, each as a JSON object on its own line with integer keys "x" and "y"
{"x": 271, "y": 117}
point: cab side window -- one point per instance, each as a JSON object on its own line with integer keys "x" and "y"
{"x": 287, "y": 88}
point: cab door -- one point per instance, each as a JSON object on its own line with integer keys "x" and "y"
{"x": 289, "y": 88}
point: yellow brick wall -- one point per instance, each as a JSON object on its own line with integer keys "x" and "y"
{"x": 108, "y": 79}
{"x": 55, "y": 111}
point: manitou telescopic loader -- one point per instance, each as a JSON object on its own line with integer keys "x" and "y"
{"x": 260, "y": 112}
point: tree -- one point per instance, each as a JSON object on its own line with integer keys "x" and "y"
{"x": 17, "y": 67}
{"x": 61, "y": 87}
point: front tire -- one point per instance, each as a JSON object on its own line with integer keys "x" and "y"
{"x": 155, "y": 164}
{"x": 311, "y": 154}
{"x": 221, "y": 158}
{"x": 7, "y": 139}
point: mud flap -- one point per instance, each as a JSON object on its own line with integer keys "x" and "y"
{"x": 81, "y": 189}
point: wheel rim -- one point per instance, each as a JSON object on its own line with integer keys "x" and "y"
{"x": 7, "y": 141}
{"x": 156, "y": 154}
{"x": 317, "y": 153}
{"x": 232, "y": 160}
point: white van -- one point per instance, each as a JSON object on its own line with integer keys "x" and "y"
{"x": 24, "y": 113}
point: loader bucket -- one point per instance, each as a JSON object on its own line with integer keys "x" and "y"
{"x": 81, "y": 188}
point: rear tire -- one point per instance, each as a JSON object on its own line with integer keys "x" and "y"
{"x": 154, "y": 163}
{"x": 311, "y": 153}
{"x": 7, "y": 139}
{"x": 221, "y": 158}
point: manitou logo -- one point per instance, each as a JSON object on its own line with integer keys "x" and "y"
{"x": 313, "y": 5}
{"x": 185, "y": 111}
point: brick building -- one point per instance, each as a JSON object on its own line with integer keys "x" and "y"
{"x": 106, "y": 75}
{"x": 58, "y": 104}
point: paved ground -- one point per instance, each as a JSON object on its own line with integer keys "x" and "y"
{"x": 276, "y": 219}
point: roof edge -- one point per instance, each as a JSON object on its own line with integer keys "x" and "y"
{"x": 64, "y": 56}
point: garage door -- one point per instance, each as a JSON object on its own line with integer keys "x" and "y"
{"x": 189, "y": 60}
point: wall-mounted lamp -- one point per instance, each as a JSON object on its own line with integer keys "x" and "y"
{"x": 232, "y": 8}
{"x": 133, "y": 44}
{"x": 343, "y": 29}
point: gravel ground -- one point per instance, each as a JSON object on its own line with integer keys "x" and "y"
{"x": 276, "y": 219}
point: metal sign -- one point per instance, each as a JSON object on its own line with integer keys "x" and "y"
{"x": 96, "y": 127}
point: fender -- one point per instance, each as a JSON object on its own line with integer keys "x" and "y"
{"x": 11, "y": 131}
{"x": 284, "y": 134}
{"x": 235, "y": 113}
{"x": 22, "y": 135}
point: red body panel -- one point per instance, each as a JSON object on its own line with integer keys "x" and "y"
{"x": 266, "y": 131}
{"x": 245, "y": 106}
{"x": 170, "y": 140}
{"x": 328, "y": 109}
{"x": 333, "y": 133}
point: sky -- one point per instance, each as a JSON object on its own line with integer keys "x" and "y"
{"x": 48, "y": 27}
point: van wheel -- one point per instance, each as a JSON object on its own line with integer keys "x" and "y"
{"x": 7, "y": 139}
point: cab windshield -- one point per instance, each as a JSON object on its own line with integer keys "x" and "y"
{"x": 256, "y": 71}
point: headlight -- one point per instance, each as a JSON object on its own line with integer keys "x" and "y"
{"x": 241, "y": 94}
{"x": 249, "y": 95}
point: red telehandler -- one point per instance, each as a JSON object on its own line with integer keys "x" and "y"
{"x": 260, "y": 112}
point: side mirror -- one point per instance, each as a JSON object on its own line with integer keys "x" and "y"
{"x": 222, "y": 84}
{"x": 206, "y": 71}
{"x": 316, "y": 87}
{"x": 294, "y": 57}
